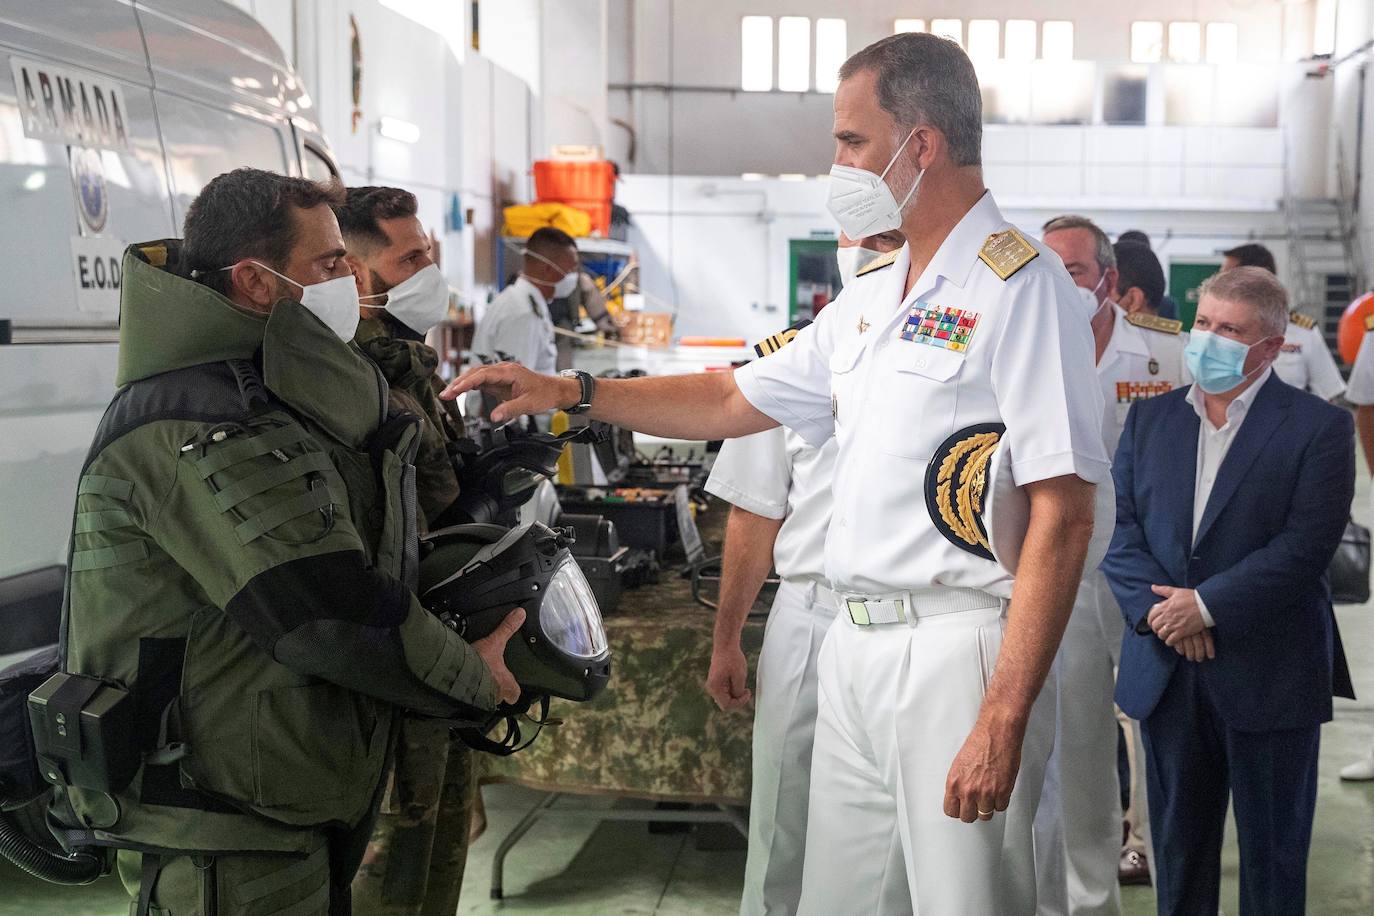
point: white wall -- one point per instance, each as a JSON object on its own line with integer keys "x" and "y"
{"x": 697, "y": 127}
{"x": 715, "y": 250}
{"x": 477, "y": 122}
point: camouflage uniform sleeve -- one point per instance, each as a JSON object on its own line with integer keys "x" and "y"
{"x": 259, "y": 518}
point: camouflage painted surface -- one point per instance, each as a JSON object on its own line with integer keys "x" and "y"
{"x": 653, "y": 732}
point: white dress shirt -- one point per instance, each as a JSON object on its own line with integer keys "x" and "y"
{"x": 1212, "y": 445}
{"x": 775, "y": 474}
{"x": 1361, "y": 390}
{"x": 863, "y": 372}
{"x": 517, "y": 323}
{"x": 1305, "y": 362}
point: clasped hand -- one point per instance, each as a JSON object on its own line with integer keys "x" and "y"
{"x": 1177, "y": 620}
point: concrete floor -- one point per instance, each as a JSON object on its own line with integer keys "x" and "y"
{"x": 572, "y": 866}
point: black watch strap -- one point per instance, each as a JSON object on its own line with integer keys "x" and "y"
{"x": 588, "y": 383}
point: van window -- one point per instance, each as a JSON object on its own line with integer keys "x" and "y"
{"x": 203, "y": 142}
{"x": 317, "y": 165}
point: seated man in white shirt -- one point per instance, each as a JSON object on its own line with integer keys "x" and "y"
{"x": 779, "y": 491}
{"x": 516, "y": 326}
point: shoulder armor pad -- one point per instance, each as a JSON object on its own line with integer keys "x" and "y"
{"x": 1306, "y": 322}
{"x": 779, "y": 340}
{"x": 886, "y": 260}
{"x": 1006, "y": 252}
{"x": 1155, "y": 323}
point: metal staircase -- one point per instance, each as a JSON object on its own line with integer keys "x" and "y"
{"x": 1326, "y": 263}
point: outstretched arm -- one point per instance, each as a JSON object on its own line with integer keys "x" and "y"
{"x": 706, "y": 405}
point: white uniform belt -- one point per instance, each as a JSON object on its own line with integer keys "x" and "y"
{"x": 909, "y": 606}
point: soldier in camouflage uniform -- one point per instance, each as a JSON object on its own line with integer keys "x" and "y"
{"x": 414, "y": 863}
{"x": 243, "y": 563}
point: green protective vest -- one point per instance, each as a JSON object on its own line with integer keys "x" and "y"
{"x": 411, "y": 371}
{"x": 243, "y": 559}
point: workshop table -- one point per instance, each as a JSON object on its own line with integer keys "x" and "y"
{"x": 653, "y": 733}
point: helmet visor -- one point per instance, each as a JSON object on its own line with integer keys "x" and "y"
{"x": 569, "y": 616}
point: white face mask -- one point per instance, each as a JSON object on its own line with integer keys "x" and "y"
{"x": 335, "y": 302}
{"x": 1090, "y": 299}
{"x": 566, "y": 283}
{"x": 420, "y": 301}
{"x": 852, "y": 260}
{"x": 861, "y": 201}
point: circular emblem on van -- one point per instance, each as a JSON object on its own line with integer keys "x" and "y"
{"x": 88, "y": 180}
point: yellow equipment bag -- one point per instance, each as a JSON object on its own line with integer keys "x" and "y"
{"x": 523, "y": 219}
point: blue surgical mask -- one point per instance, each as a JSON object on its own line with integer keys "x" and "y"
{"x": 1217, "y": 363}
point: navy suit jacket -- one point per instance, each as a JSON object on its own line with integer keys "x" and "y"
{"x": 1274, "y": 519}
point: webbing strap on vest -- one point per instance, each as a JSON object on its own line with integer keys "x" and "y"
{"x": 275, "y": 516}
{"x": 103, "y": 520}
{"x": 105, "y": 486}
{"x": 147, "y": 877}
{"x": 270, "y": 477}
{"x": 231, "y": 453}
{"x": 106, "y": 557}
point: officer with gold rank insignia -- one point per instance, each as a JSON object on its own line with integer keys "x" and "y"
{"x": 931, "y": 741}
{"x": 1305, "y": 360}
{"x": 1078, "y": 827}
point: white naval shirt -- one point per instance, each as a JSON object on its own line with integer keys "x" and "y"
{"x": 890, "y": 402}
{"x": 1137, "y": 363}
{"x": 1361, "y": 389}
{"x": 1306, "y": 363}
{"x": 517, "y": 322}
{"x": 1212, "y": 445}
{"x": 775, "y": 474}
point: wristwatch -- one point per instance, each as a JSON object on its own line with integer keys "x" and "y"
{"x": 588, "y": 382}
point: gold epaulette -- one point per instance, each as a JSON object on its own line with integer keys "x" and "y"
{"x": 886, "y": 260}
{"x": 1006, "y": 252}
{"x": 1306, "y": 322}
{"x": 1155, "y": 323}
{"x": 779, "y": 340}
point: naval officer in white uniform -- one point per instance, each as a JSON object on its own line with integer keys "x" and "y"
{"x": 779, "y": 489}
{"x": 1361, "y": 394}
{"x": 932, "y": 732}
{"x": 1078, "y": 826}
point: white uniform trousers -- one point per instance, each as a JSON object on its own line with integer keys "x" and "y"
{"x": 1138, "y": 814}
{"x": 1078, "y": 826}
{"x": 784, "y": 731}
{"x": 896, "y": 703}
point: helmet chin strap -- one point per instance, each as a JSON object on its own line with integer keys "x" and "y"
{"x": 511, "y": 741}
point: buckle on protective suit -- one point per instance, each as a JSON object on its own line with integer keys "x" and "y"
{"x": 867, "y": 612}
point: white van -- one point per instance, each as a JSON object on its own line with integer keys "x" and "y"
{"x": 113, "y": 115}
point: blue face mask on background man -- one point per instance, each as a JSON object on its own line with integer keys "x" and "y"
{"x": 1218, "y": 363}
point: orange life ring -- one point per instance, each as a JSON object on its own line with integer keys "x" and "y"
{"x": 1351, "y": 331}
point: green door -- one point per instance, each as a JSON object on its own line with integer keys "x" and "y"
{"x": 1185, "y": 277}
{"x": 813, "y": 277}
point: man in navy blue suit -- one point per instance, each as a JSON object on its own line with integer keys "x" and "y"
{"x": 1232, "y": 495}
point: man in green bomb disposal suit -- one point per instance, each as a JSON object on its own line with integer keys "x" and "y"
{"x": 415, "y": 862}
{"x": 243, "y": 562}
